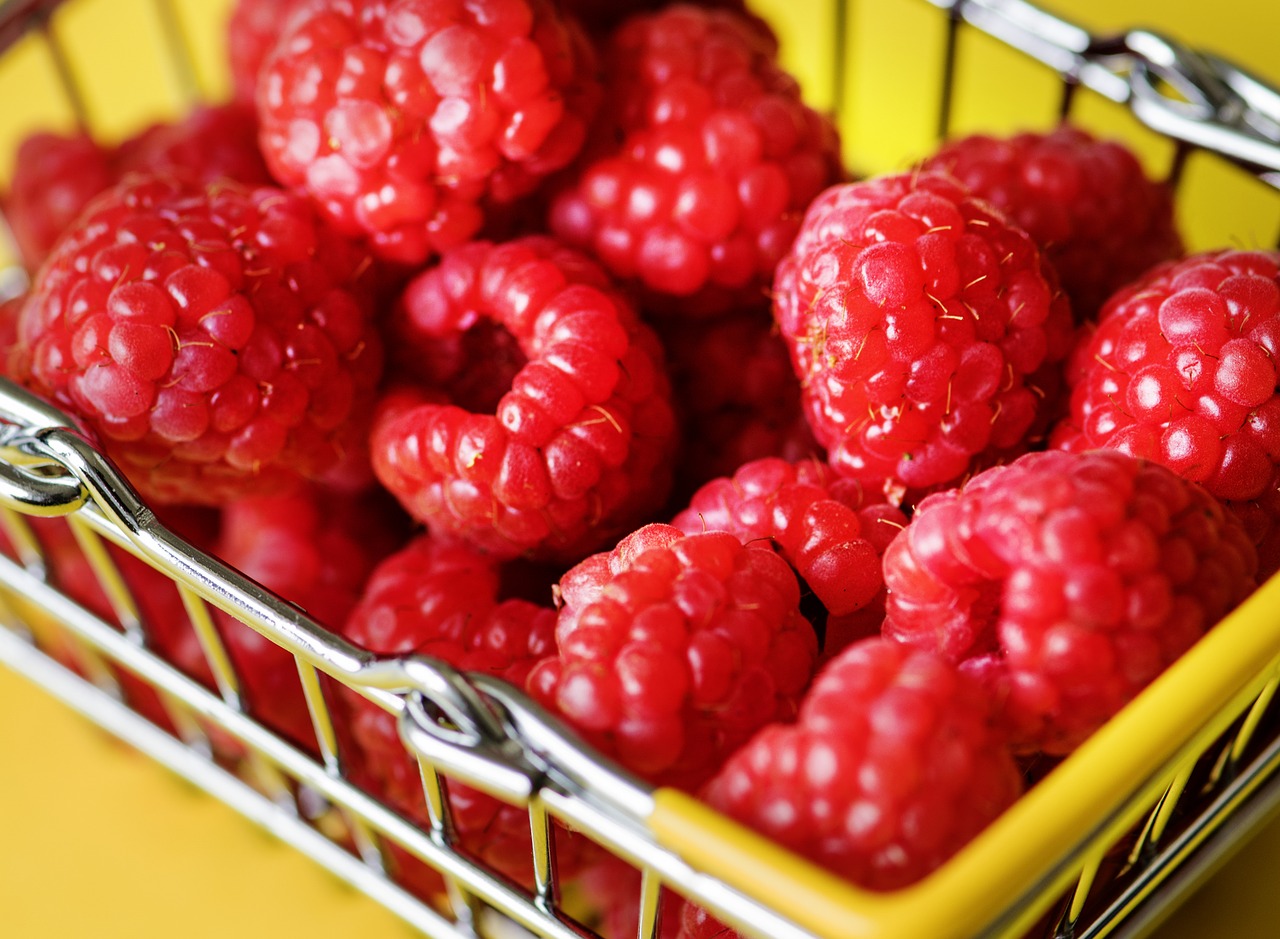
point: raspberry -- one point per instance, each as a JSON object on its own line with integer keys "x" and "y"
{"x": 893, "y": 766}
{"x": 56, "y": 177}
{"x": 674, "y": 649}
{"x": 211, "y": 143}
{"x": 252, "y": 31}
{"x": 695, "y": 179}
{"x": 916, "y": 317}
{"x": 816, "y": 523}
{"x": 736, "y": 395}
{"x": 1067, "y": 582}
{"x": 575, "y": 448}
{"x": 217, "y": 338}
{"x": 437, "y": 597}
{"x": 315, "y": 548}
{"x": 1180, "y": 371}
{"x": 53, "y": 178}
{"x": 601, "y": 16}
{"x": 1086, "y": 202}
{"x": 404, "y": 120}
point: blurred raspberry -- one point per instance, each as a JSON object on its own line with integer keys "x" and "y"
{"x": 55, "y": 177}
{"x": 1086, "y": 202}
{"x": 404, "y": 121}
{"x": 315, "y": 548}
{"x": 439, "y": 598}
{"x": 918, "y": 320}
{"x": 547, "y": 433}
{"x": 602, "y": 16}
{"x": 1180, "y": 370}
{"x": 218, "y": 339}
{"x": 736, "y": 395}
{"x": 253, "y": 29}
{"x": 1066, "y": 582}
{"x": 893, "y": 766}
{"x": 674, "y": 649}
{"x": 695, "y": 179}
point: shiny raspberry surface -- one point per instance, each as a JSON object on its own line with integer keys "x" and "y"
{"x": 580, "y": 443}
{"x": 1180, "y": 370}
{"x": 1066, "y": 582}
{"x": 674, "y": 649}
{"x": 916, "y": 318}
{"x": 893, "y": 765}
{"x": 1087, "y": 202}
{"x": 402, "y": 120}
{"x": 694, "y": 182}
{"x": 217, "y": 338}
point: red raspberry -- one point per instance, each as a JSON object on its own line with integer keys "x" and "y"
{"x": 1067, "y": 582}
{"x": 1086, "y": 202}
{"x": 893, "y": 766}
{"x": 1180, "y": 371}
{"x": 211, "y": 143}
{"x": 56, "y": 177}
{"x": 53, "y": 178}
{"x": 403, "y": 120}
{"x": 439, "y": 598}
{"x": 674, "y": 649}
{"x": 315, "y": 548}
{"x": 916, "y": 318}
{"x": 696, "y": 177}
{"x": 601, "y": 16}
{"x": 818, "y": 524}
{"x": 581, "y": 441}
{"x": 252, "y": 31}
{"x": 736, "y": 395}
{"x": 217, "y": 338}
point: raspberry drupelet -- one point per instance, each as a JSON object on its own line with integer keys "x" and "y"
{"x": 1181, "y": 370}
{"x": 1087, "y": 202}
{"x": 55, "y": 177}
{"x": 218, "y": 339}
{"x": 674, "y": 649}
{"x": 917, "y": 318}
{"x": 894, "y": 765}
{"x": 440, "y": 598}
{"x": 403, "y": 120}
{"x": 573, "y": 450}
{"x": 1066, "y": 582}
{"x": 695, "y": 179}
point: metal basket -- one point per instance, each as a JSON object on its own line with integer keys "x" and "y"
{"x": 1096, "y": 848}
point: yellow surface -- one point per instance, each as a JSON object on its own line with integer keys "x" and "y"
{"x": 97, "y": 842}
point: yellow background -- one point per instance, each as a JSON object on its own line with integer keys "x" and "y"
{"x": 97, "y": 842}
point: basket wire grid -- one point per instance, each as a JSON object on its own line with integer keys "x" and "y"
{"x": 1112, "y": 823}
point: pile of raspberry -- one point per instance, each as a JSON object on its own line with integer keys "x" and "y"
{"x": 549, "y": 341}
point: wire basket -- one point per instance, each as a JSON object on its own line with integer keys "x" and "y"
{"x": 1098, "y": 847}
